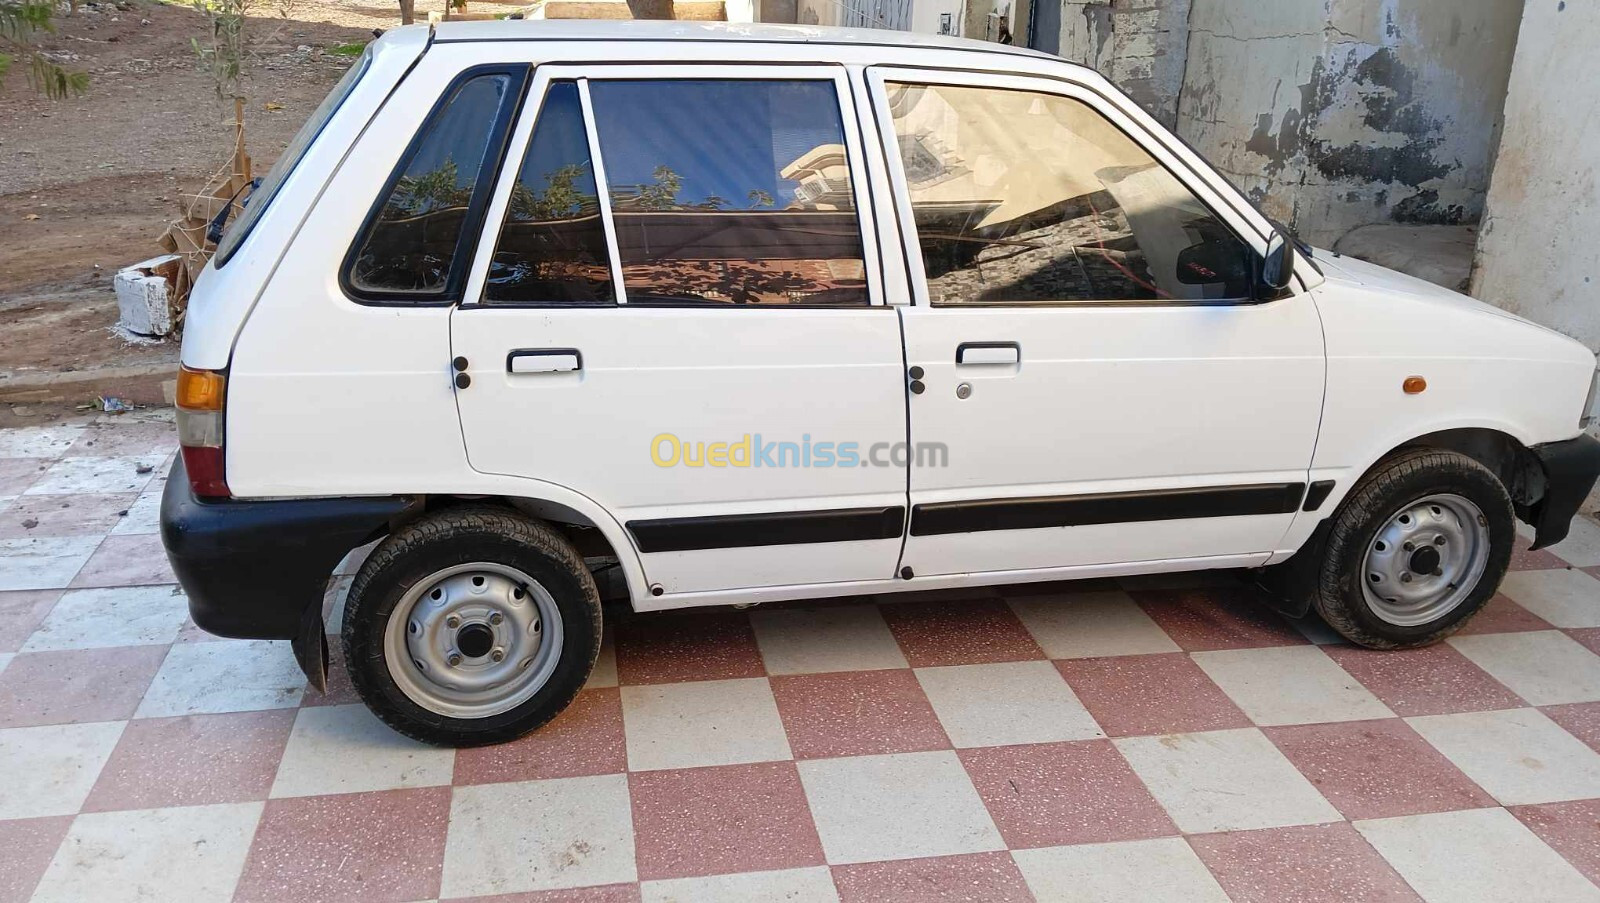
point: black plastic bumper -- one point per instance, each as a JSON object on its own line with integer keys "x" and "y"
{"x": 1570, "y": 470}
{"x": 258, "y": 569}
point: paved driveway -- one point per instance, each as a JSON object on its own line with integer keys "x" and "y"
{"x": 1145, "y": 740}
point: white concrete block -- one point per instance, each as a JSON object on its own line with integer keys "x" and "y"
{"x": 142, "y": 298}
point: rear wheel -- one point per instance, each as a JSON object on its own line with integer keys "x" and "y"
{"x": 1418, "y": 547}
{"x": 474, "y": 625}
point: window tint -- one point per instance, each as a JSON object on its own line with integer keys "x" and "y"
{"x": 730, "y": 192}
{"x": 411, "y": 245}
{"x": 1021, "y": 197}
{"x": 552, "y": 246}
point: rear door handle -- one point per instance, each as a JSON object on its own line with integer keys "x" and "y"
{"x": 544, "y": 360}
{"x": 969, "y": 353}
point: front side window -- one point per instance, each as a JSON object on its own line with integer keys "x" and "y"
{"x": 411, "y": 245}
{"x": 730, "y": 192}
{"x": 1023, "y": 197}
{"x": 552, "y": 247}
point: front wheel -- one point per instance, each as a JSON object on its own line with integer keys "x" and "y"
{"x": 471, "y": 626}
{"x": 1418, "y": 547}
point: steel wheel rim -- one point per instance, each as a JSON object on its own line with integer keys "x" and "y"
{"x": 1425, "y": 560}
{"x": 473, "y": 640}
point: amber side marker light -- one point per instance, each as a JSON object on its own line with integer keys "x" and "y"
{"x": 201, "y": 394}
{"x": 1414, "y": 385}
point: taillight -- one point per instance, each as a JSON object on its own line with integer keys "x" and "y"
{"x": 200, "y": 403}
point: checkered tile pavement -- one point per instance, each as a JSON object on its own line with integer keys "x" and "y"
{"x": 1144, "y": 739}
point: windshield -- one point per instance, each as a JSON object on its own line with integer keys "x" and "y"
{"x": 256, "y": 202}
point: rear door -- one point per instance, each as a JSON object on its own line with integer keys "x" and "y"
{"x": 675, "y": 311}
{"x": 1099, "y": 386}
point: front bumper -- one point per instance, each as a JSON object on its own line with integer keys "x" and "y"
{"x": 1570, "y": 470}
{"x": 259, "y": 569}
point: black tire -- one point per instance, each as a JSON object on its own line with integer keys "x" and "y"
{"x": 461, "y": 536}
{"x": 1385, "y": 491}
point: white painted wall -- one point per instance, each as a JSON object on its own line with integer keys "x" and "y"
{"x": 1537, "y": 254}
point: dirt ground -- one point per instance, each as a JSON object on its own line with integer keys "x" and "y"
{"x": 88, "y": 184}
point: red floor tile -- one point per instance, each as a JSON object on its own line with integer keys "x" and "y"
{"x": 1580, "y": 719}
{"x": 960, "y": 632}
{"x": 586, "y": 739}
{"x": 1432, "y": 680}
{"x": 1524, "y": 559}
{"x": 17, "y": 474}
{"x": 1053, "y": 794}
{"x": 193, "y": 760}
{"x": 856, "y": 713}
{"x": 340, "y": 690}
{"x": 679, "y": 646}
{"x": 1571, "y": 829}
{"x": 1501, "y": 615}
{"x": 76, "y": 686}
{"x": 21, "y": 612}
{"x": 609, "y": 893}
{"x": 1140, "y": 695}
{"x": 987, "y": 877}
{"x": 1218, "y": 618}
{"x": 28, "y": 845}
{"x": 729, "y": 818}
{"x": 1377, "y": 769}
{"x": 1307, "y": 863}
{"x": 384, "y": 847}
{"x": 127, "y": 561}
{"x": 1588, "y": 636}
{"x": 63, "y": 515}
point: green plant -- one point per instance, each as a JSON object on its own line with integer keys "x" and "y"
{"x": 352, "y": 48}
{"x": 20, "y": 22}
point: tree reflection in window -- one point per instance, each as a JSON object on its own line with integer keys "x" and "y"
{"x": 730, "y": 191}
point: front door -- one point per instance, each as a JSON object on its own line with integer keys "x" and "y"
{"x": 674, "y": 313}
{"x": 1098, "y": 386}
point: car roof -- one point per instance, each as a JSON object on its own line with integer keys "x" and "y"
{"x": 727, "y": 32}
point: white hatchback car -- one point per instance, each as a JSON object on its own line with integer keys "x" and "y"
{"x": 761, "y": 313}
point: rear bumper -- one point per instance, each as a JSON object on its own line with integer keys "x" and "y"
{"x": 259, "y": 569}
{"x": 1570, "y": 470}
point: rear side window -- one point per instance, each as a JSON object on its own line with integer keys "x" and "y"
{"x": 730, "y": 192}
{"x": 414, "y": 245}
{"x": 552, "y": 247}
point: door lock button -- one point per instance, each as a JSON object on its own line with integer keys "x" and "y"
{"x": 917, "y": 388}
{"x": 915, "y": 372}
{"x": 460, "y": 363}
{"x": 964, "y": 390}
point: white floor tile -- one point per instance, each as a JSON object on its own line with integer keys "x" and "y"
{"x": 1290, "y": 685}
{"x": 835, "y": 638}
{"x": 5, "y": 659}
{"x": 1519, "y": 756}
{"x": 89, "y": 475}
{"x": 144, "y": 515}
{"x": 1230, "y": 780}
{"x": 711, "y": 722}
{"x": 1316, "y": 630}
{"x": 1582, "y": 545}
{"x": 1479, "y": 855}
{"x": 169, "y": 855}
{"x": 605, "y": 665}
{"x": 805, "y": 885}
{"x": 1086, "y": 625}
{"x": 1545, "y": 667}
{"x": 1150, "y": 871}
{"x": 43, "y": 562}
{"x": 539, "y": 835}
{"x": 1006, "y": 704}
{"x": 120, "y": 616}
{"x": 50, "y": 770}
{"x": 1566, "y": 597}
{"x": 346, "y": 749}
{"x": 38, "y": 441}
{"x": 901, "y": 806}
{"x": 224, "y": 676}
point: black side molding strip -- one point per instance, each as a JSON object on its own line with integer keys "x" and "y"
{"x": 1317, "y": 494}
{"x": 1104, "y": 508}
{"x": 781, "y": 528}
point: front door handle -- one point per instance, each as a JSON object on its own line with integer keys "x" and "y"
{"x": 971, "y": 353}
{"x": 544, "y": 360}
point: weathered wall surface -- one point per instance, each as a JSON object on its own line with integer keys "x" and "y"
{"x": 1139, "y": 44}
{"x": 1537, "y": 254}
{"x": 1338, "y": 113}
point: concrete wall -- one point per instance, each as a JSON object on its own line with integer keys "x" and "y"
{"x": 1537, "y": 248}
{"x": 1338, "y": 113}
{"x": 1140, "y": 45}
